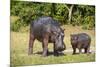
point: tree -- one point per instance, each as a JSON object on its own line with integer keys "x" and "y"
{"x": 70, "y": 9}
{"x": 64, "y": 13}
{"x": 53, "y": 9}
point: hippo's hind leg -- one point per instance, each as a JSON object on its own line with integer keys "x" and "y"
{"x": 87, "y": 50}
{"x": 31, "y": 41}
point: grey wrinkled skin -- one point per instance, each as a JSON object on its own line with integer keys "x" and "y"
{"x": 80, "y": 41}
{"x": 46, "y": 30}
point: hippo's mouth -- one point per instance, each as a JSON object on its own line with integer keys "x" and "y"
{"x": 60, "y": 50}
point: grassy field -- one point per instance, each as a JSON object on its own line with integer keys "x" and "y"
{"x": 19, "y": 49}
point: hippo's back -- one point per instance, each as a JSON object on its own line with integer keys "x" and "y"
{"x": 44, "y": 25}
{"x": 45, "y": 20}
{"x": 83, "y": 37}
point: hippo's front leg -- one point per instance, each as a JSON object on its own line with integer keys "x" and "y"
{"x": 45, "y": 45}
{"x": 55, "y": 51}
{"x": 74, "y": 50}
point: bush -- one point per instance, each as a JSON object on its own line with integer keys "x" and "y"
{"x": 77, "y": 20}
{"x": 89, "y": 22}
{"x": 29, "y": 11}
{"x": 60, "y": 19}
{"x": 15, "y": 26}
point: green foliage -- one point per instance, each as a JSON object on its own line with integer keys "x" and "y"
{"x": 89, "y": 22}
{"x": 16, "y": 26}
{"x": 59, "y": 18}
{"x": 83, "y": 14}
{"x": 29, "y": 11}
{"x": 77, "y": 20}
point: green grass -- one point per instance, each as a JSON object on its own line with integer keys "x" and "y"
{"x": 19, "y": 49}
{"x": 37, "y": 59}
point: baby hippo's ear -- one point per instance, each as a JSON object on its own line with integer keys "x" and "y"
{"x": 76, "y": 37}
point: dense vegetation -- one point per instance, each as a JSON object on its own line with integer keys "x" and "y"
{"x": 83, "y": 15}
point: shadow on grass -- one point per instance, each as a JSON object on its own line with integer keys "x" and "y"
{"x": 50, "y": 53}
{"x": 82, "y": 53}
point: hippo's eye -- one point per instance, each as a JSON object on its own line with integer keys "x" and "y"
{"x": 62, "y": 35}
{"x": 58, "y": 35}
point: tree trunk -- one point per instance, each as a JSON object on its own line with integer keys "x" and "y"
{"x": 70, "y": 13}
{"x": 53, "y": 9}
{"x": 70, "y": 9}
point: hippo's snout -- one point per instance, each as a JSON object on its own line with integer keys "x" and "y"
{"x": 61, "y": 48}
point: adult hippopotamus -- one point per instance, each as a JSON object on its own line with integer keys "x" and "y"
{"x": 46, "y": 30}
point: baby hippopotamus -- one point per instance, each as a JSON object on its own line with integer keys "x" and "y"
{"x": 80, "y": 41}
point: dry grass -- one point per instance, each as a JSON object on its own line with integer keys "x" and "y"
{"x": 13, "y": 19}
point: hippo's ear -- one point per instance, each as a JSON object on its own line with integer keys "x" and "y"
{"x": 55, "y": 32}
